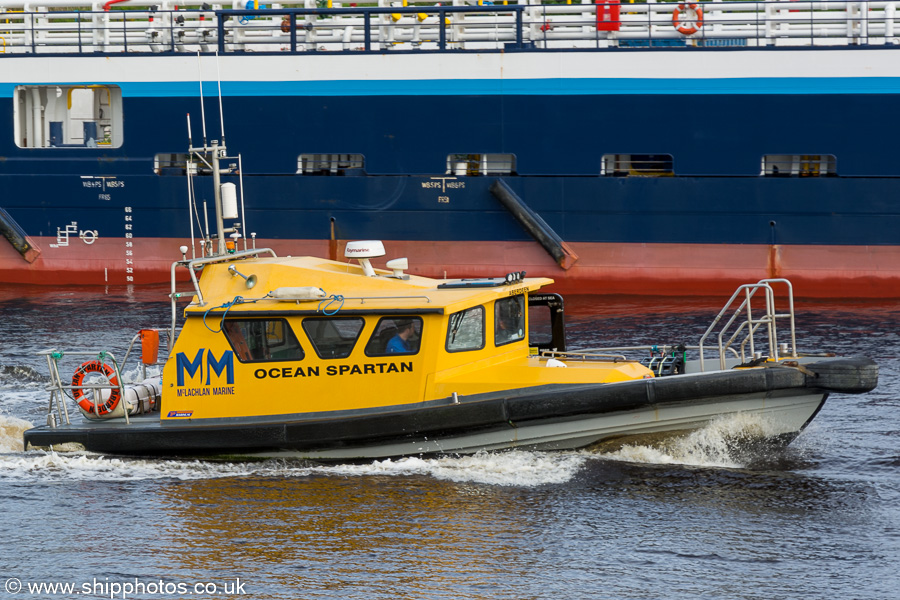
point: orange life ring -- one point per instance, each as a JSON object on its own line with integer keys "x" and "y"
{"x": 88, "y": 405}
{"x": 689, "y": 26}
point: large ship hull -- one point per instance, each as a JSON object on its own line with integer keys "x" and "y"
{"x": 711, "y": 218}
{"x": 613, "y": 268}
{"x": 642, "y": 249}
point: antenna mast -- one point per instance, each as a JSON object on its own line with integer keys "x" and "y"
{"x": 202, "y": 109}
{"x": 211, "y": 153}
{"x": 221, "y": 113}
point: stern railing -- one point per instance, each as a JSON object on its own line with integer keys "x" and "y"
{"x": 58, "y": 390}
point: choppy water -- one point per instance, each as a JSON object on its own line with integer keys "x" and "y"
{"x": 820, "y": 519}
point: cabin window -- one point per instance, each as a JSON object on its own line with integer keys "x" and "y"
{"x": 637, "y": 165}
{"x": 333, "y": 337}
{"x": 481, "y": 164}
{"x": 267, "y": 340}
{"x": 509, "y": 320}
{"x": 331, "y": 164}
{"x": 67, "y": 116}
{"x": 466, "y": 330}
{"x": 798, "y": 165}
{"x": 395, "y": 335}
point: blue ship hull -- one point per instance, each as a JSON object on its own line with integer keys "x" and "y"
{"x": 713, "y": 214}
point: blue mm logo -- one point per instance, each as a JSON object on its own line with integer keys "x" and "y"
{"x": 213, "y": 365}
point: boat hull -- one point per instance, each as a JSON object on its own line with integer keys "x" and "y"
{"x": 783, "y": 399}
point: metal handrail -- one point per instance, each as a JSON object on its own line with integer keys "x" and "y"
{"x": 661, "y": 348}
{"x": 748, "y": 326}
{"x": 57, "y": 388}
{"x": 585, "y": 356}
{"x": 514, "y": 27}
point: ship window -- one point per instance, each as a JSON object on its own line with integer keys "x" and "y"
{"x": 637, "y": 165}
{"x": 799, "y": 165}
{"x": 331, "y": 164}
{"x": 481, "y": 164}
{"x": 267, "y": 340}
{"x": 509, "y": 320}
{"x": 395, "y": 335}
{"x": 68, "y": 116}
{"x": 466, "y": 330}
{"x": 176, "y": 163}
{"x": 333, "y": 337}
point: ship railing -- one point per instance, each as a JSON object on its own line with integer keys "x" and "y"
{"x": 589, "y": 355}
{"x": 303, "y": 27}
{"x": 740, "y": 331}
{"x": 57, "y": 409}
{"x": 60, "y": 389}
{"x": 743, "y": 331}
{"x": 657, "y": 357}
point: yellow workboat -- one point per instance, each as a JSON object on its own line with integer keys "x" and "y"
{"x": 386, "y": 364}
{"x": 320, "y": 358}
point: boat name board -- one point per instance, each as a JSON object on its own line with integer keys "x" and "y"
{"x": 333, "y": 370}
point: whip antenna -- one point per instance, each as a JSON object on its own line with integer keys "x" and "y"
{"x": 202, "y": 110}
{"x": 221, "y": 114}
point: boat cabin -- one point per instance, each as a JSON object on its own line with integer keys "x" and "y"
{"x": 274, "y": 336}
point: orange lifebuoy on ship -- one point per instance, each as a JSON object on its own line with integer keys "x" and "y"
{"x": 88, "y": 405}
{"x": 687, "y": 25}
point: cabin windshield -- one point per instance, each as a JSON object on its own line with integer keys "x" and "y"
{"x": 333, "y": 337}
{"x": 262, "y": 340}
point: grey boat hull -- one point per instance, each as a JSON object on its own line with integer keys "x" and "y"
{"x": 544, "y": 417}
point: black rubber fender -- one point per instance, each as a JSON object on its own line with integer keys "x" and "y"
{"x": 856, "y": 375}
